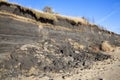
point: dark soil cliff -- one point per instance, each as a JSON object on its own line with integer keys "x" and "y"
{"x": 47, "y": 44}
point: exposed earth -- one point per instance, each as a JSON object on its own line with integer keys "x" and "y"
{"x": 57, "y": 48}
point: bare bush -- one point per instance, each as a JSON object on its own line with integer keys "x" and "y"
{"x": 47, "y": 9}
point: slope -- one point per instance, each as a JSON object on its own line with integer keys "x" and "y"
{"x": 34, "y": 43}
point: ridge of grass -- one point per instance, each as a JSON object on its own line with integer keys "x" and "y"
{"x": 49, "y": 16}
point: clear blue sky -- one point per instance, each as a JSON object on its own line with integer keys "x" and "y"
{"x": 103, "y": 12}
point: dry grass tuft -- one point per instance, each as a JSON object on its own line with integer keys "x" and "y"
{"x": 106, "y": 46}
{"x": 45, "y": 15}
{"x": 76, "y": 45}
{"x": 75, "y": 20}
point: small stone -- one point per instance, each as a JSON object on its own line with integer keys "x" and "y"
{"x": 100, "y": 79}
{"x": 77, "y": 52}
{"x": 63, "y": 77}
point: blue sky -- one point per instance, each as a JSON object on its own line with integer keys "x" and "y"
{"x": 102, "y": 12}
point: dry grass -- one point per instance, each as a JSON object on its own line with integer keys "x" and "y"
{"x": 28, "y": 20}
{"x": 54, "y": 17}
{"x": 38, "y": 14}
{"x": 74, "y": 19}
{"x": 44, "y": 15}
{"x": 16, "y": 17}
{"x": 106, "y": 46}
{"x": 76, "y": 45}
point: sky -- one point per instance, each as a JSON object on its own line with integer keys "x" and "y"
{"x": 105, "y": 13}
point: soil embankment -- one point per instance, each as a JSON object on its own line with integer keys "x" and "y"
{"x": 46, "y": 48}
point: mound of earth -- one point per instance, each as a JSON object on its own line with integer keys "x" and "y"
{"x": 41, "y": 48}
